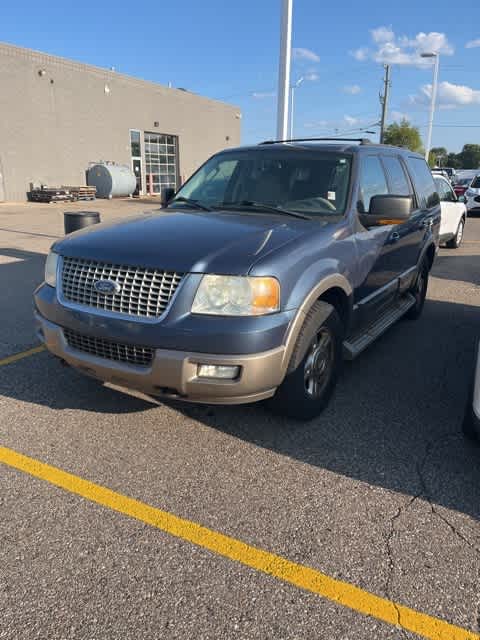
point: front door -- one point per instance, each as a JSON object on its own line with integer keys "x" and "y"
{"x": 137, "y": 170}
{"x": 385, "y": 252}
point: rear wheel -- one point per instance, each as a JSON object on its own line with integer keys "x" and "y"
{"x": 456, "y": 241}
{"x": 314, "y": 366}
{"x": 419, "y": 292}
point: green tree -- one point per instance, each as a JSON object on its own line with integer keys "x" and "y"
{"x": 453, "y": 161}
{"x": 470, "y": 156}
{"x": 403, "y": 134}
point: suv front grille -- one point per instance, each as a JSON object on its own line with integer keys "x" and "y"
{"x": 141, "y": 292}
{"x": 140, "y": 356}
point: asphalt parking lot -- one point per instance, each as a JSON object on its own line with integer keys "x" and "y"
{"x": 381, "y": 492}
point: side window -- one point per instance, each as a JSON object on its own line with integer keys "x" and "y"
{"x": 450, "y": 194}
{"x": 445, "y": 191}
{"x": 372, "y": 181}
{"x": 396, "y": 177}
{"x": 423, "y": 181}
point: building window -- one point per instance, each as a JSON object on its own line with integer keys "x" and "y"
{"x": 135, "y": 144}
{"x": 161, "y": 161}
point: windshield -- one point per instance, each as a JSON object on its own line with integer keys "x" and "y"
{"x": 308, "y": 182}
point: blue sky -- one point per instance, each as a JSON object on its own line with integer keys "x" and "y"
{"x": 229, "y": 51}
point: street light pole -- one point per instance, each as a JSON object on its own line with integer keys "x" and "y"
{"x": 284, "y": 70}
{"x": 292, "y": 99}
{"x": 433, "y": 100}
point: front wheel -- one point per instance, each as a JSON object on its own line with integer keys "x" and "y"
{"x": 313, "y": 369}
{"x": 456, "y": 241}
{"x": 419, "y": 292}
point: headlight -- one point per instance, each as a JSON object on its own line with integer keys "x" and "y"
{"x": 51, "y": 269}
{"x": 237, "y": 296}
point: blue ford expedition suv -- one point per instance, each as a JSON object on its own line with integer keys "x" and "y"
{"x": 268, "y": 266}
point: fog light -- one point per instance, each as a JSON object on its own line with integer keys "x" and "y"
{"x": 224, "y": 372}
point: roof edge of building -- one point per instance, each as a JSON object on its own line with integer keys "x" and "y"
{"x": 48, "y": 58}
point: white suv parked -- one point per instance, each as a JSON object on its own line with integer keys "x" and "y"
{"x": 454, "y": 214}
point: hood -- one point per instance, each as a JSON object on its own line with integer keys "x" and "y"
{"x": 213, "y": 242}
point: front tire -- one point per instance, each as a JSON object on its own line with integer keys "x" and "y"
{"x": 456, "y": 241}
{"x": 419, "y": 292}
{"x": 314, "y": 366}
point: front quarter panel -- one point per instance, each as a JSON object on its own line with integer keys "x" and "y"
{"x": 312, "y": 259}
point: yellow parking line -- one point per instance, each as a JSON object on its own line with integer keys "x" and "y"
{"x": 306, "y": 578}
{"x": 20, "y": 356}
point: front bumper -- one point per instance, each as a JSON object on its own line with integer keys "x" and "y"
{"x": 174, "y": 373}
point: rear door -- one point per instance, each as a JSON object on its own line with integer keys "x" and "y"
{"x": 428, "y": 214}
{"x": 452, "y": 210}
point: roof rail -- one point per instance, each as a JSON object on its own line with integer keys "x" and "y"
{"x": 359, "y": 140}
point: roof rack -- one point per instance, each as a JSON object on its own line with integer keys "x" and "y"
{"x": 359, "y": 140}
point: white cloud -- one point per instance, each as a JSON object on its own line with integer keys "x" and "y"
{"x": 352, "y": 89}
{"x": 403, "y": 50}
{"x": 311, "y": 76}
{"x": 472, "y": 44}
{"x": 382, "y": 34}
{"x": 361, "y": 54}
{"x": 260, "y": 95}
{"x": 300, "y": 53}
{"x": 449, "y": 96}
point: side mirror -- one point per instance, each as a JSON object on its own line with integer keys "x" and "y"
{"x": 167, "y": 195}
{"x": 462, "y": 199}
{"x": 386, "y": 210}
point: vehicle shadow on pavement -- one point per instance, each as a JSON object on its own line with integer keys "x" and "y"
{"x": 395, "y": 419}
{"x": 466, "y": 267}
{"x": 393, "y": 422}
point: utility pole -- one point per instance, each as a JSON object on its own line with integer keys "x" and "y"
{"x": 436, "y": 58}
{"x": 384, "y": 101}
{"x": 284, "y": 70}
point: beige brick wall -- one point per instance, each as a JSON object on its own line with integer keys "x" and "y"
{"x": 53, "y": 125}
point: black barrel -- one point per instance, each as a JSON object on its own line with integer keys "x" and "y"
{"x": 75, "y": 220}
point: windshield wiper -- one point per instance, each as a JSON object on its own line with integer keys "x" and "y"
{"x": 260, "y": 206}
{"x": 191, "y": 203}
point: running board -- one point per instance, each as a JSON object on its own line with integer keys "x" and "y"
{"x": 354, "y": 345}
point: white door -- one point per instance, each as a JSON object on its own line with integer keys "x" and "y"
{"x": 452, "y": 210}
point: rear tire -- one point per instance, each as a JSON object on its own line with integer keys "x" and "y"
{"x": 419, "y": 292}
{"x": 456, "y": 241}
{"x": 314, "y": 366}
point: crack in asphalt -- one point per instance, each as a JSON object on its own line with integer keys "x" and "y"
{"x": 425, "y": 494}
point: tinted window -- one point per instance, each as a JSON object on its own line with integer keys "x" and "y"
{"x": 310, "y": 182}
{"x": 135, "y": 143}
{"x": 372, "y": 180}
{"x": 444, "y": 191}
{"x": 423, "y": 181}
{"x": 398, "y": 182}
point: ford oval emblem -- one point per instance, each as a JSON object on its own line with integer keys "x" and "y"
{"x": 106, "y": 287}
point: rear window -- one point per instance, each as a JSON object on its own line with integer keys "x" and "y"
{"x": 423, "y": 181}
{"x": 396, "y": 176}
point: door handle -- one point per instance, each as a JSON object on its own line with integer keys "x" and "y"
{"x": 395, "y": 236}
{"x": 428, "y": 223}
